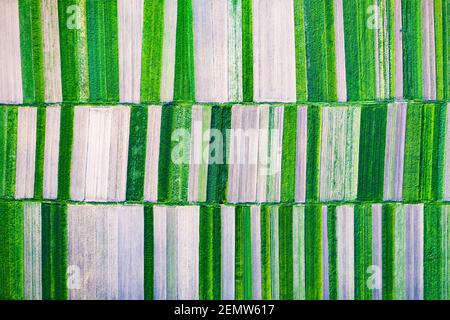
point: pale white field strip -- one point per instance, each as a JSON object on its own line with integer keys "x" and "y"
{"x": 168, "y": 57}
{"x": 428, "y": 51}
{"x": 10, "y": 61}
{"x": 211, "y": 50}
{"x": 51, "y": 51}
{"x": 269, "y": 153}
{"x": 100, "y": 153}
{"x": 274, "y": 51}
{"x": 198, "y": 165}
{"x": 228, "y": 252}
{"x": 341, "y": 76}
{"x": 377, "y": 247}
{"x": 414, "y": 252}
{"x": 400, "y": 252}
{"x": 176, "y": 243}
{"x": 160, "y": 253}
{"x": 263, "y": 152}
{"x": 325, "y": 263}
{"x": 339, "y": 153}
{"x": 130, "y": 23}
{"x": 106, "y": 250}
{"x": 345, "y": 252}
{"x": 398, "y": 49}
{"x": 275, "y": 253}
{"x": 51, "y": 151}
{"x": 243, "y": 172}
{"x": 395, "y": 151}
{"x": 256, "y": 252}
{"x": 447, "y": 156}
{"x": 188, "y": 252}
{"x": 273, "y": 171}
{"x": 32, "y": 251}
{"x": 26, "y": 152}
{"x": 298, "y": 230}
{"x": 302, "y": 140}
{"x": 152, "y": 153}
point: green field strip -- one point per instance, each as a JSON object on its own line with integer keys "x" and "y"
{"x": 54, "y": 252}
{"x": 359, "y": 51}
{"x": 421, "y": 171}
{"x": 210, "y": 253}
{"x": 65, "y": 152}
{"x": 288, "y": 161}
{"x": 148, "y": 253}
{"x": 298, "y": 231}
{"x": 103, "y": 48}
{"x": 184, "y": 87}
{"x": 266, "y": 279}
{"x": 243, "y": 254}
{"x": 432, "y": 252}
{"x": 152, "y": 50}
{"x": 441, "y": 166}
{"x": 286, "y": 253}
{"x": 320, "y": 50}
{"x": 372, "y": 153}
{"x": 446, "y": 48}
{"x": 412, "y": 49}
{"x": 388, "y": 250}
{"x": 40, "y": 150}
{"x": 390, "y": 19}
{"x": 439, "y": 18}
{"x": 12, "y": 251}
{"x": 363, "y": 251}
{"x": 333, "y": 279}
{"x": 173, "y": 177}
{"x": 137, "y": 150}
{"x": 8, "y": 146}
{"x": 274, "y": 252}
{"x": 300, "y": 50}
{"x": 31, "y": 51}
{"x": 313, "y": 252}
{"x": 74, "y": 52}
{"x": 313, "y": 153}
{"x": 218, "y": 168}
{"x": 247, "y": 49}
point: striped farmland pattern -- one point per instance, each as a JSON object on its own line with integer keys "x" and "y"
{"x": 224, "y": 149}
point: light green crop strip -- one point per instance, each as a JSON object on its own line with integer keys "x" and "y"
{"x": 266, "y": 281}
{"x": 209, "y": 251}
{"x": 74, "y": 51}
{"x": 433, "y": 273}
{"x": 412, "y": 49}
{"x": 8, "y": 146}
{"x": 11, "y": 251}
{"x": 40, "y": 150}
{"x": 54, "y": 252}
{"x": 286, "y": 253}
{"x": 152, "y": 50}
{"x": 363, "y": 250}
{"x": 184, "y": 88}
{"x": 360, "y": 51}
{"x": 148, "y": 252}
{"x": 31, "y": 51}
{"x": 320, "y": 50}
{"x": 313, "y": 252}
{"x": 372, "y": 153}
{"x": 103, "y": 47}
{"x": 300, "y": 50}
{"x": 288, "y": 164}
